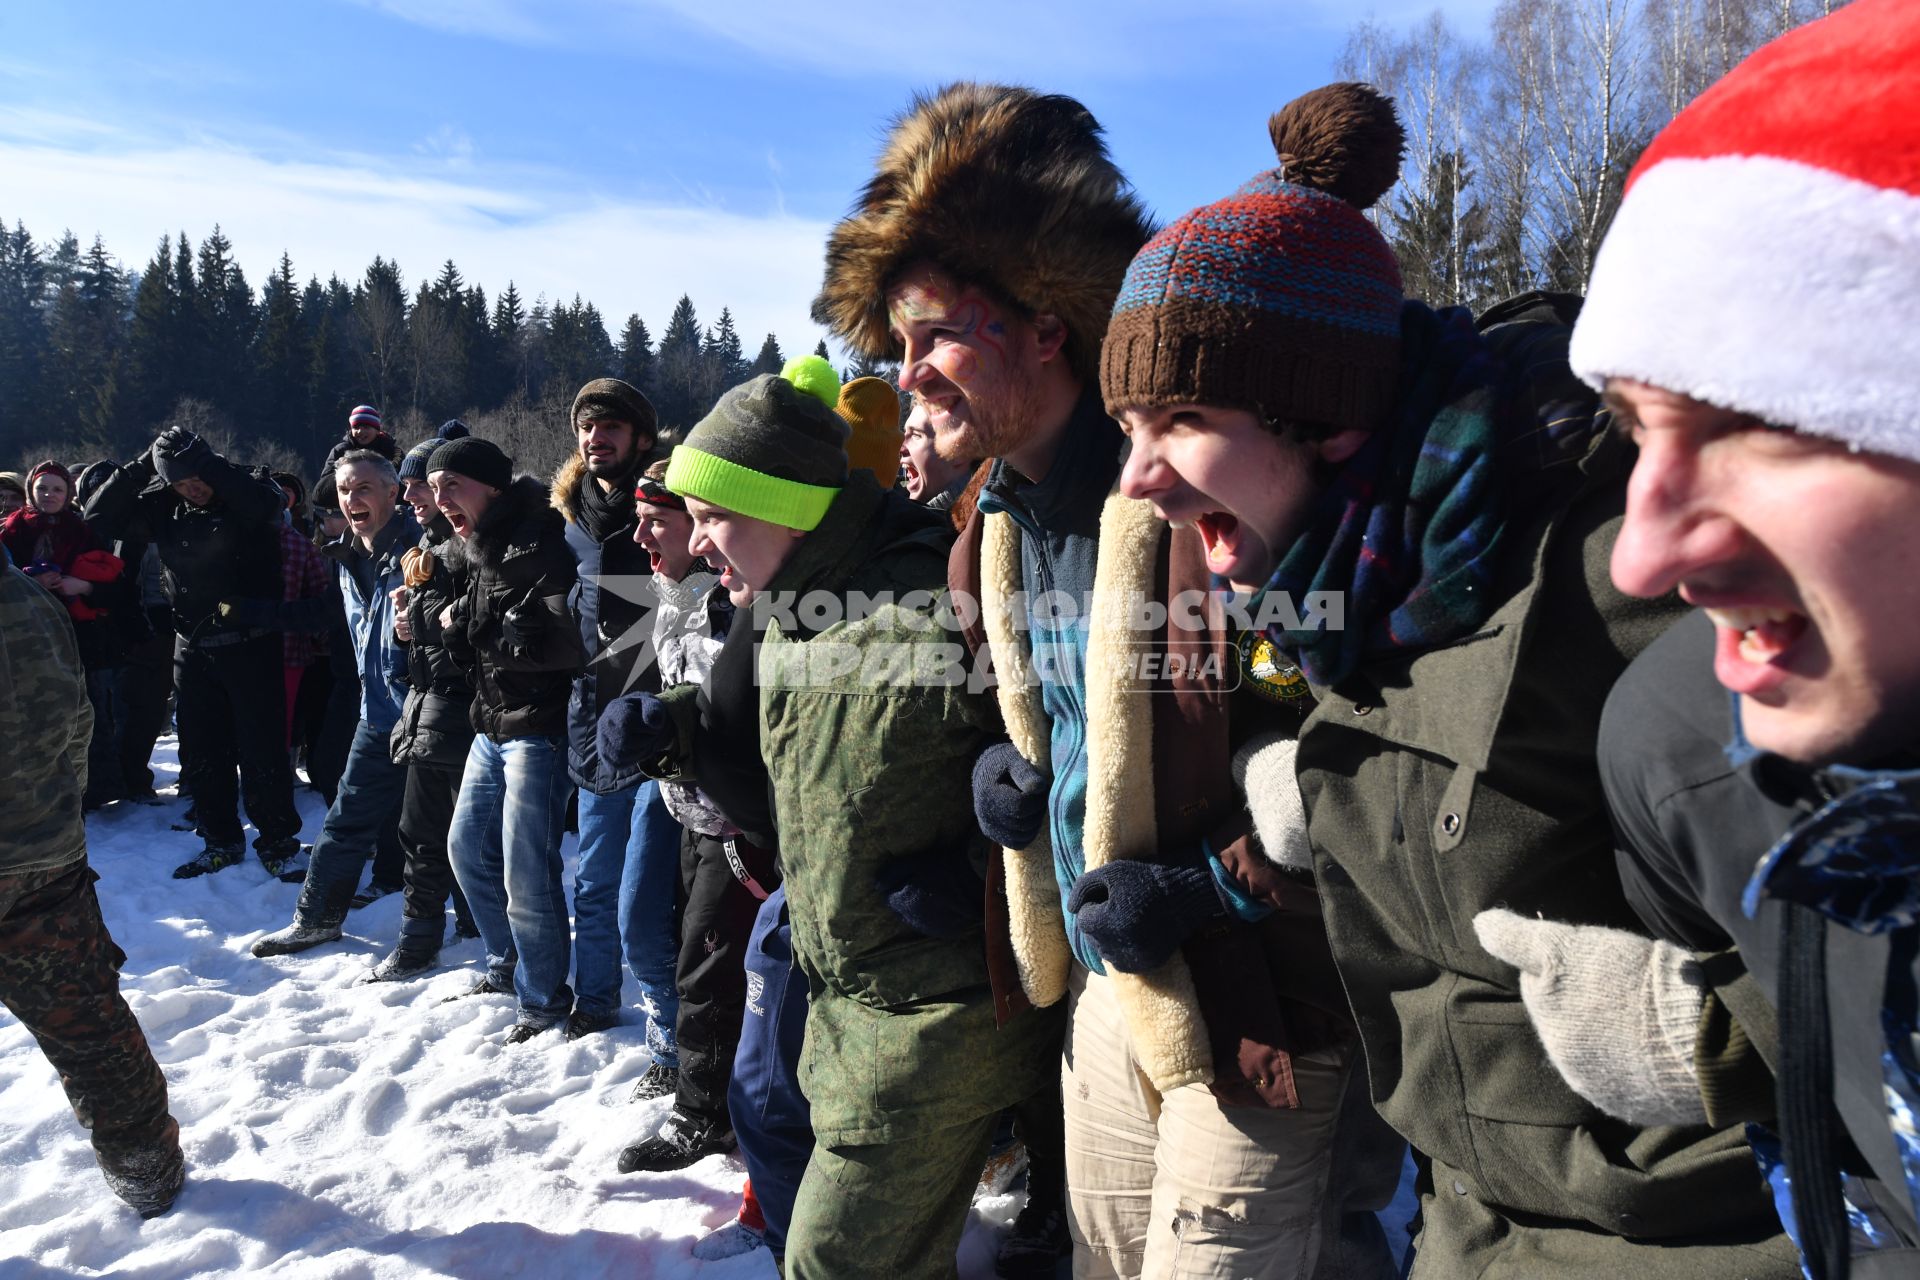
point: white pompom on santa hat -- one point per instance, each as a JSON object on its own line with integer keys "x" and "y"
{"x": 1766, "y": 255}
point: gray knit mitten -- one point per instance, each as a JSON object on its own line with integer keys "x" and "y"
{"x": 1618, "y": 1013}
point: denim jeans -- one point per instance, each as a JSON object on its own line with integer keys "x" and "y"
{"x": 625, "y": 898}
{"x": 505, "y": 845}
{"x": 368, "y": 800}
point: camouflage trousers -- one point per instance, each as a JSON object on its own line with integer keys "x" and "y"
{"x": 60, "y": 975}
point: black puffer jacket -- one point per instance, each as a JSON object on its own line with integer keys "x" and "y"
{"x": 519, "y": 565}
{"x": 434, "y": 727}
{"x": 226, "y": 550}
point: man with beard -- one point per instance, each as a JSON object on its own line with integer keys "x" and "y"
{"x": 998, "y": 329}
{"x": 215, "y": 526}
{"x": 626, "y": 883}
{"x": 512, "y": 633}
{"x": 367, "y": 570}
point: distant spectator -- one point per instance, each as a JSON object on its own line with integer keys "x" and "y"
{"x": 13, "y": 493}
{"x": 51, "y": 543}
{"x": 214, "y": 524}
{"x": 363, "y": 432}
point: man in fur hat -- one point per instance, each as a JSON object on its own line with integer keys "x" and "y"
{"x": 983, "y": 256}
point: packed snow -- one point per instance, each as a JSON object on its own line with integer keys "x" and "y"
{"x": 356, "y": 1131}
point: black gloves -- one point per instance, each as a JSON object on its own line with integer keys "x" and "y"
{"x": 937, "y": 895}
{"x": 634, "y": 728}
{"x": 1136, "y": 914}
{"x": 522, "y": 625}
{"x": 1009, "y": 796}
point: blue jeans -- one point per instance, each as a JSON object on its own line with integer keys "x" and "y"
{"x": 367, "y": 800}
{"x": 771, "y": 1117}
{"x": 625, "y": 897}
{"x": 505, "y": 846}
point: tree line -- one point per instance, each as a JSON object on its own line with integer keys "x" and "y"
{"x": 95, "y": 358}
{"x": 1519, "y": 145}
{"x": 1520, "y": 141}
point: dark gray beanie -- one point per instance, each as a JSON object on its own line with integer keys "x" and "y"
{"x": 475, "y": 458}
{"x": 768, "y": 450}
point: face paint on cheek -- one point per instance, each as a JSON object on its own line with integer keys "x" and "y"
{"x": 957, "y": 364}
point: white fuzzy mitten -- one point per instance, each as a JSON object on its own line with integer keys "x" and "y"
{"x": 1618, "y": 1013}
{"x": 1263, "y": 770}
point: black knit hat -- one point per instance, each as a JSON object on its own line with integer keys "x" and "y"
{"x": 414, "y": 465}
{"x": 612, "y": 398}
{"x": 476, "y": 459}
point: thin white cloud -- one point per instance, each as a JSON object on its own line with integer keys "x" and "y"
{"x": 333, "y": 215}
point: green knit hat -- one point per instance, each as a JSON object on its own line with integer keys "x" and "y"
{"x": 769, "y": 450}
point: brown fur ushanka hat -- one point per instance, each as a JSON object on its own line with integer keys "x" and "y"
{"x": 1000, "y": 187}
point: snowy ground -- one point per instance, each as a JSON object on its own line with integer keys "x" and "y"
{"x": 359, "y": 1132}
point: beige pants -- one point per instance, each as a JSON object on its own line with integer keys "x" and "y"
{"x": 1177, "y": 1185}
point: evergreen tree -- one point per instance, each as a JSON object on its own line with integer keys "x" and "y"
{"x": 282, "y": 356}
{"x": 821, "y": 350}
{"x": 726, "y": 361}
{"x": 23, "y": 338}
{"x": 681, "y": 369}
{"x": 636, "y": 355}
{"x": 769, "y": 360}
{"x": 84, "y": 353}
{"x": 380, "y": 331}
{"x": 227, "y": 325}
{"x": 509, "y": 341}
{"x": 155, "y": 360}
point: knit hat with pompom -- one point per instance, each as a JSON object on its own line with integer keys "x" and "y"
{"x": 773, "y": 448}
{"x": 1281, "y": 298}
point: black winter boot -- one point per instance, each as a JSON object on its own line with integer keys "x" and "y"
{"x": 296, "y": 937}
{"x": 682, "y": 1140}
{"x": 215, "y": 857}
{"x": 148, "y": 1177}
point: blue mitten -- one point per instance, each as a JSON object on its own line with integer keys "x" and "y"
{"x": 1009, "y": 796}
{"x": 937, "y": 894}
{"x": 1136, "y": 914}
{"x": 633, "y": 729}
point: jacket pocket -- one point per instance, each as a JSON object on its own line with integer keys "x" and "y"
{"x": 1505, "y": 1070}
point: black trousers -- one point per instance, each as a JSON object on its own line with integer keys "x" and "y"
{"x": 710, "y": 974}
{"x": 146, "y": 681}
{"x": 233, "y": 710}
{"x": 60, "y": 975}
{"x": 426, "y": 812}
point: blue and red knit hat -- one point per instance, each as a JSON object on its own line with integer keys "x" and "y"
{"x": 1281, "y": 298}
{"x": 363, "y": 415}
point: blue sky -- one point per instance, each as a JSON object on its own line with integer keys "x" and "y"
{"x": 627, "y": 150}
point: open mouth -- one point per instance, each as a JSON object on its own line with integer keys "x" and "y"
{"x": 912, "y": 474}
{"x": 458, "y": 519}
{"x": 654, "y": 562}
{"x": 358, "y": 518}
{"x": 1220, "y": 533}
{"x": 1753, "y": 644}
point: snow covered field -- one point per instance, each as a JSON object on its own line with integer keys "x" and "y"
{"x": 359, "y": 1132}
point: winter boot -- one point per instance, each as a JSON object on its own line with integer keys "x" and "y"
{"x": 657, "y": 1083}
{"x": 404, "y": 962}
{"x": 286, "y": 860}
{"x": 146, "y": 1177}
{"x": 373, "y": 892}
{"x": 682, "y": 1140}
{"x": 296, "y": 937}
{"x": 580, "y": 1023}
{"x": 486, "y": 986}
{"x": 730, "y": 1241}
{"x": 1033, "y": 1249}
{"x": 214, "y": 857}
{"x": 521, "y": 1032}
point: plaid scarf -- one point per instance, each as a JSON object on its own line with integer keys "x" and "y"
{"x": 1410, "y": 526}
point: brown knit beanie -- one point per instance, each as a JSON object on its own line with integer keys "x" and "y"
{"x": 1281, "y": 298}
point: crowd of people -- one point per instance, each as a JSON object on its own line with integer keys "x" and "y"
{"x": 1244, "y": 726}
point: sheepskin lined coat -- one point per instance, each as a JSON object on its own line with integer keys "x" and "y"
{"x": 1233, "y": 1006}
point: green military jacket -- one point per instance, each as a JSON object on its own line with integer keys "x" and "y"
{"x": 1441, "y": 782}
{"x": 869, "y": 731}
{"x": 46, "y": 722}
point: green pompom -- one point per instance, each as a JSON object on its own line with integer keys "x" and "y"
{"x": 815, "y": 377}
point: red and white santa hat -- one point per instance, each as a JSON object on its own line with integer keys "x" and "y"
{"x": 1766, "y": 255}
